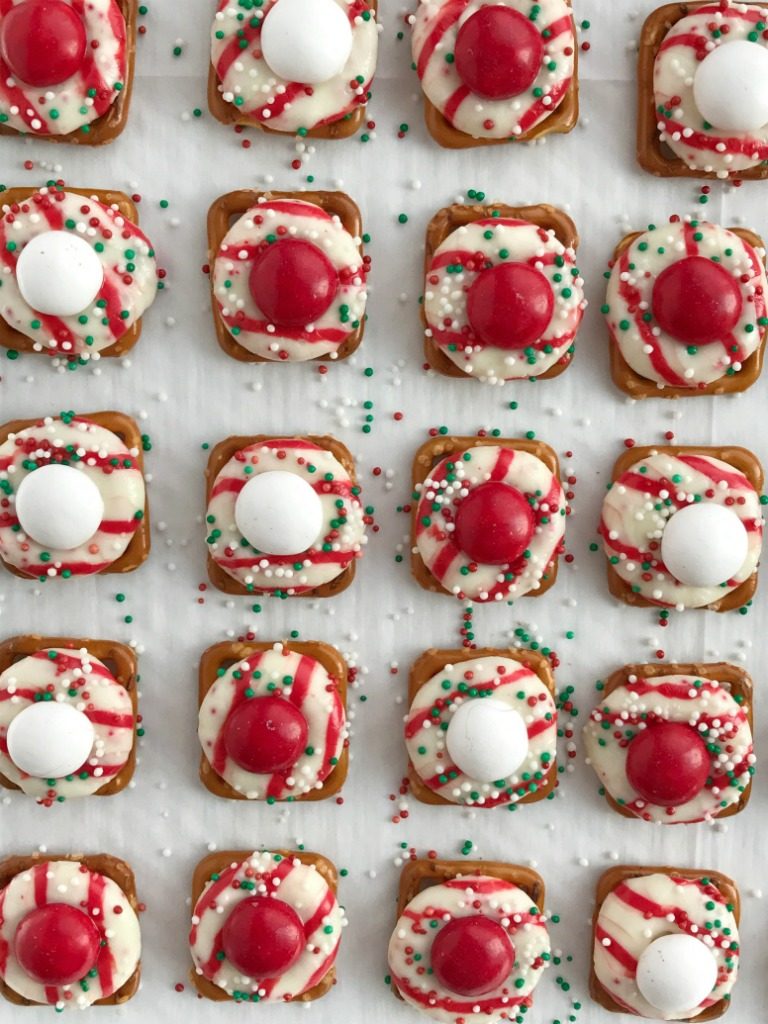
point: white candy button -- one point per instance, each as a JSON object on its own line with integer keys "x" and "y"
{"x": 486, "y": 739}
{"x": 704, "y": 544}
{"x": 48, "y": 740}
{"x": 676, "y": 973}
{"x": 730, "y": 87}
{"x": 59, "y": 274}
{"x": 279, "y": 513}
{"x": 60, "y": 507}
{"x": 306, "y": 41}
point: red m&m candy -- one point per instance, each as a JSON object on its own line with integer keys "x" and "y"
{"x": 472, "y": 956}
{"x": 263, "y": 937}
{"x": 265, "y": 734}
{"x": 293, "y": 282}
{"x": 57, "y": 944}
{"x": 498, "y": 53}
{"x": 510, "y": 305}
{"x": 494, "y": 524}
{"x": 696, "y": 301}
{"x": 668, "y": 763}
{"x": 42, "y": 42}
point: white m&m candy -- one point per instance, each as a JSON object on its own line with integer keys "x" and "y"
{"x": 703, "y": 545}
{"x": 59, "y": 274}
{"x": 50, "y": 740}
{"x": 307, "y": 41}
{"x": 676, "y": 973}
{"x": 279, "y": 513}
{"x": 487, "y": 739}
{"x": 59, "y": 506}
{"x": 730, "y": 87}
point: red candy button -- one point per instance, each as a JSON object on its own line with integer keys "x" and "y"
{"x": 668, "y": 764}
{"x": 263, "y": 937}
{"x": 472, "y": 955}
{"x": 510, "y": 305}
{"x": 293, "y": 282}
{"x": 494, "y": 524}
{"x": 696, "y": 301}
{"x": 498, "y": 53}
{"x": 265, "y": 735}
{"x": 57, "y": 944}
{"x": 42, "y": 42}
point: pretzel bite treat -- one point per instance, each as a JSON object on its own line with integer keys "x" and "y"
{"x": 686, "y": 310}
{"x": 471, "y": 940}
{"x": 68, "y": 717}
{"x": 666, "y": 943}
{"x": 76, "y": 273}
{"x": 69, "y": 931}
{"x": 488, "y": 517}
{"x": 673, "y": 743}
{"x": 703, "y": 96}
{"x": 495, "y": 72}
{"x": 72, "y": 496}
{"x": 481, "y": 729}
{"x": 273, "y": 722}
{"x": 284, "y": 516}
{"x": 293, "y": 66}
{"x": 503, "y": 297}
{"x": 266, "y": 926}
{"x": 288, "y": 275}
{"x": 682, "y": 527}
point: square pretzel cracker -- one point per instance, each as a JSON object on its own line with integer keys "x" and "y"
{"x": 433, "y": 661}
{"x": 741, "y": 459}
{"x": 418, "y": 875}
{"x": 13, "y": 339}
{"x": 229, "y": 208}
{"x": 229, "y": 114}
{"x": 100, "y": 863}
{"x": 128, "y": 431}
{"x": 734, "y": 679}
{"x": 229, "y": 652}
{"x": 216, "y": 863}
{"x": 652, "y": 154}
{"x": 563, "y": 118}
{"x": 107, "y": 127}
{"x": 621, "y": 873}
{"x": 447, "y": 220}
{"x": 119, "y": 659}
{"x": 636, "y": 386}
{"x": 220, "y": 456}
{"x": 434, "y": 451}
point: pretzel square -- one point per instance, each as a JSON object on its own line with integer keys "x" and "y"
{"x": 218, "y": 862}
{"x": 119, "y": 658}
{"x": 128, "y": 431}
{"x": 220, "y": 456}
{"x": 458, "y": 215}
{"x": 13, "y": 339}
{"x": 741, "y": 459}
{"x": 100, "y": 863}
{"x": 229, "y": 114}
{"x": 621, "y": 873}
{"x": 230, "y": 652}
{"x": 562, "y": 120}
{"x": 652, "y": 154}
{"x": 418, "y": 875}
{"x": 435, "y": 660}
{"x": 637, "y": 386}
{"x": 735, "y": 680}
{"x": 229, "y": 208}
{"x": 107, "y": 127}
{"x": 437, "y": 448}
